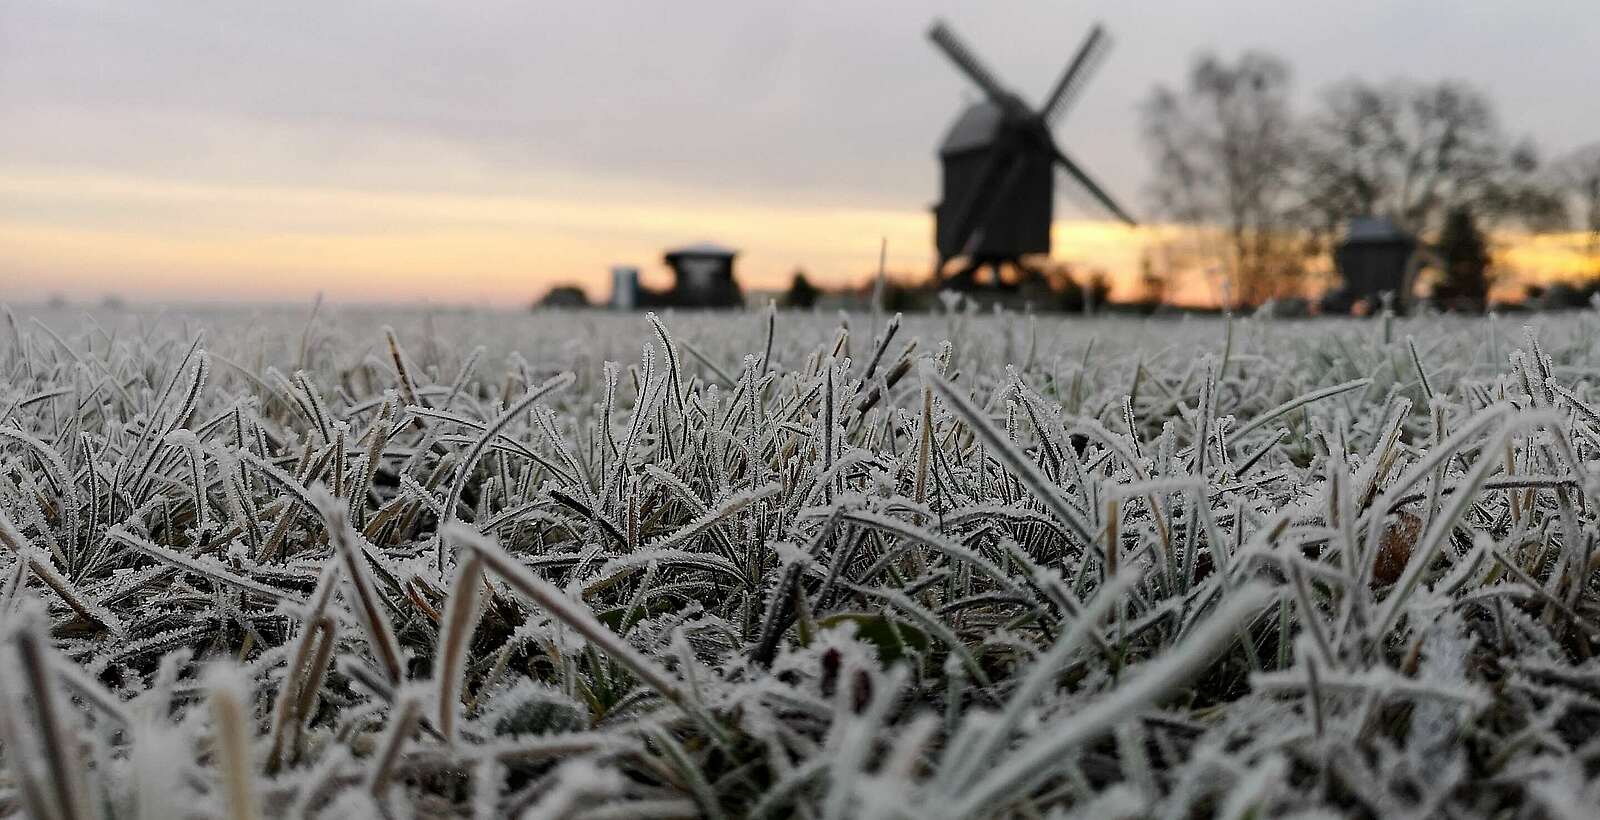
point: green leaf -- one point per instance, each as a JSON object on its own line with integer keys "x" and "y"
{"x": 893, "y": 639}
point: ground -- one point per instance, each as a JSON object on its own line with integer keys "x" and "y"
{"x": 339, "y": 562}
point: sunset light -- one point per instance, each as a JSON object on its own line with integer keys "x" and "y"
{"x": 85, "y": 236}
{"x": 886, "y": 410}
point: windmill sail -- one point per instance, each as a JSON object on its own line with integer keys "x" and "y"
{"x": 957, "y": 51}
{"x": 1082, "y": 178}
{"x": 1077, "y": 73}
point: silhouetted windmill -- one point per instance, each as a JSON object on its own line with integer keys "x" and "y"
{"x": 999, "y": 160}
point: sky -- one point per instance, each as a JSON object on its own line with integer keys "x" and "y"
{"x": 480, "y": 152}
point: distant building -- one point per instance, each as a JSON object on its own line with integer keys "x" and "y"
{"x": 1375, "y": 256}
{"x": 702, "y": 278}
{"x": 624, "y": 287}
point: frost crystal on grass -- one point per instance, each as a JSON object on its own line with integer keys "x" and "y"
{"x": 1154, "y": 569}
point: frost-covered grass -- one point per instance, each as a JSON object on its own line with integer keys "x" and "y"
{"x": 255, "y": 564}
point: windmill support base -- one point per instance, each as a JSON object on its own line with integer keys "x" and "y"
{"x": 987, "y": 274}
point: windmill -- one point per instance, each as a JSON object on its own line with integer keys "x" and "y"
{"x": 999, "y": 161}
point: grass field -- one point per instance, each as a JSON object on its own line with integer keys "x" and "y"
{"x": 345, "y": 563}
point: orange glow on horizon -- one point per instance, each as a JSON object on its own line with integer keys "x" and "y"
{"x": 87, "y": 236}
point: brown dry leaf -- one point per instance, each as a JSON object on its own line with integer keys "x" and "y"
{"x": 1394, "y": 549}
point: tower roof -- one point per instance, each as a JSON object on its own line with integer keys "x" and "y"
{"x": 703, "y": 249}
{"x": 977, "y": 127}
{"x": 1363, "y": 229}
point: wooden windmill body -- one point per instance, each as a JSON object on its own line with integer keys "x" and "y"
{"x": 997, "y": 196}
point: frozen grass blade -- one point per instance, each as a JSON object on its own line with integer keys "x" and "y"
{"x": 799, "y": 588}
{"x": 208, "y": 569}
{"x": 1014, "y": 459}
{"x": 64, "y": 790}
{"x": 1296, "y": 403}
{"x": 1020, "y": 771}
{"x": 579, "y": 618}
{"x": 364, "y": 594}
{"x": 39, "y": 563}
{"x": 455, "y": 635}
{"x": 465, "y": 466}
{"x": 230, "y": 716}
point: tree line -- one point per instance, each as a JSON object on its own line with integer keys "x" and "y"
{"x": 1274, "y": 186}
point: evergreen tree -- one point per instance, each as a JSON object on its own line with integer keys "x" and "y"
{"x": 801, "y": 293}
{"x": 1465, "y": 253}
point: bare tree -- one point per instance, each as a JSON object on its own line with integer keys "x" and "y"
{"x": 1415, "y": 152}
{"x": 1578, "y": 175}
{"x": 1224, "y": 149}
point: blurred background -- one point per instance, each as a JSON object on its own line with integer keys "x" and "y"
{"x": 487, "y": 153}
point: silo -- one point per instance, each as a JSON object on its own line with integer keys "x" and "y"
{"x": 624, "y": 287}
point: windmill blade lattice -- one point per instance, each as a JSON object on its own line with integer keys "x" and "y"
{"x": 1076, "y": 74}
{"x": 947, "y": 41}
{"x": 1083, "y": 179}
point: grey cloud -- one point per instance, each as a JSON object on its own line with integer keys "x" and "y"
{"x": 826, "y": 101}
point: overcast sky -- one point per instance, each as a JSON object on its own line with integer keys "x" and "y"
{"x": 601, "y": 129}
